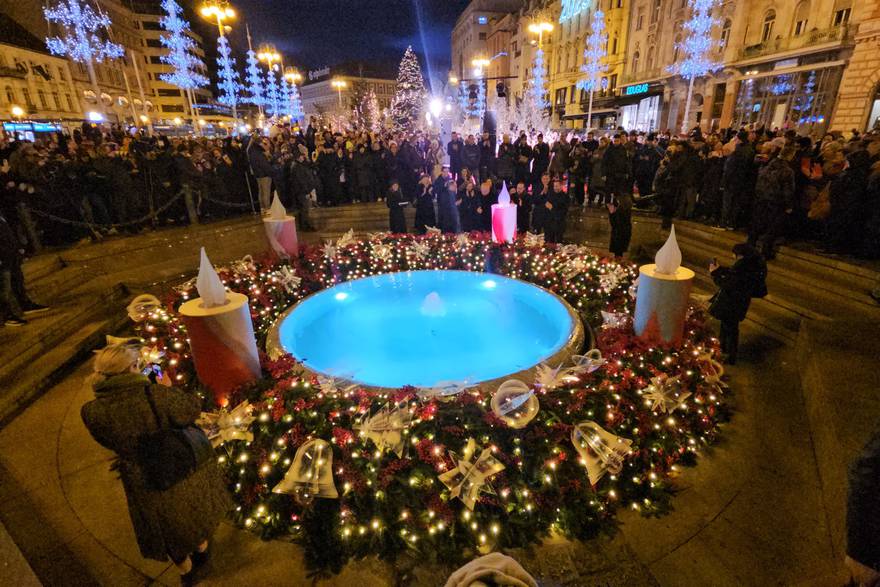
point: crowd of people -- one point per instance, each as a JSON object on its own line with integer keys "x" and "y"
{"x": 776, "y": 185}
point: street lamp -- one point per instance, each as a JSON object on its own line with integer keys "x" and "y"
{"x": 292, "y": 75}
{"x": 539, "y": 28}
{"x": 220, "y": 11}
{"x": 269, "y": 55}
{"x": 339, "y": 84}
{"x": 17, "y": 112}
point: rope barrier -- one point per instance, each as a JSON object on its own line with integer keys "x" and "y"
{"x": 93, "y": 225}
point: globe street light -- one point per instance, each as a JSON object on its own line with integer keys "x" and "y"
{"x": 17, "y": 112}
{"x": 539, "y": 28}
{"x": 339, "y": 84}
{"x": 292, "y": 75}
{"x": 269, "y": 55}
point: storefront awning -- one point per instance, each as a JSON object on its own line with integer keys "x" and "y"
{"x": 786, "y": 70}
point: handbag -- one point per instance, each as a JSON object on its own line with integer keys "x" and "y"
{"x": 820, "y": 208}
{"x": 169, "y": 454}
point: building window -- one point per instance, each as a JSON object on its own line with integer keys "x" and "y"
{"x": 640, "y": 19}
{"x": 155, "y": 59}
{"x": 167, "y": 93}
{"x": 57, "y": 101}
{"x": 482, "y": 20}
{"x": 676, "y": 49}
{"x": 172, "y": 107}
{"x": 612, "y": 82}
{"x": 635, "y": 62}
{"x": 725, "y": 35}
{"x": 801, "y": 14}
{"x": 841, "y": 17}
{"x": 655, "y": 14}
{"x": 482, "y": 36}
{"x": 767, "y": 28}
{"x": 155, "y": 43}
{"x": 69, "y": 102}
{"x": 560, "y": 96}
{"x": 650, "y": 60}
{"x": 614, "y": 44}
{"x": 10, "y": 94}
{"x": 27, "y": 97}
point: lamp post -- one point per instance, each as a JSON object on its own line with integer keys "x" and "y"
{"x": 220, "y": 11}
{"x": 539, "y": 28}
{"x": 339, "y": 84}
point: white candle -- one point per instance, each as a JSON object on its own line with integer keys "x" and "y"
{"x": 503, "y": 218}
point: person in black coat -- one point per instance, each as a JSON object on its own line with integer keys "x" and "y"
{"x": 396, "y": 204}
{"x": 469, "y": 208}
{"x": 540, "y": 162}
{"x": 645, "y": 164}
{"x": 520, "y": 196}
{"x": 470, "y": 155}
{"x": 303, "y": 181}
{"x": 505, "y": 164}
{"x": 617, "y": 167}
{"x": 523, "y": 153}
{"x": 863, "y": 516}
{"x": 540, "y": 197}
{"x": 487, "y": 156}
{"x": 557, "y": 208}
{"x": 737, "y": 285}
{"x": 488, "y": 196}
{"x": 447, "y": 208}
{"x": 425, "y": 211}
{"x": 738, "y": 180}
{"x": 454, "y": 149}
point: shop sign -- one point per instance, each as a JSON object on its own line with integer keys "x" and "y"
{"x": 319, "y": 73}
{"x": 636, "y": 89}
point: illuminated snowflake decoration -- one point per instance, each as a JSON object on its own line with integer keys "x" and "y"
{"x": 697, "y": 44}
{"x": 83, "y": 31}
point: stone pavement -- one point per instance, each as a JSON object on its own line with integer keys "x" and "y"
{"x": 751, "y": 513}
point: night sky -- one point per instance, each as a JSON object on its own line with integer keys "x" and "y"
{"x": 315, "y": 33}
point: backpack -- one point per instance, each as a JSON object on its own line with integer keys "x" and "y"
{"x": 169, "y": 454}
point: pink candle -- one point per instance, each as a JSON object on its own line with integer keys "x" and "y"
{"x": 503, "y": 218}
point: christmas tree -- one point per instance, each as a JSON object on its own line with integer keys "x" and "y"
{"x": 81, "y": 37}
{"x": 272, "y": 96}
{"x": 593, "y": 55}
{"x": 296, "y": 109}
{"x": 531, "y": 111}
{"x": 255, "y": 88}
{"x": 186, "y": 66}
{"x": 228, "y": 84}
{"x": 697, "y": 49}
{"x": 284, "y": 98}
{"x": 409, "y": 99}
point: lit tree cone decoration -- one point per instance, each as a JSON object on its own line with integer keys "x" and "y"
{"x": 503, "y": 218}
{"x": 281, "y": 231}
{"x": 662, "y": 297}
{"x": 221, "y": 335}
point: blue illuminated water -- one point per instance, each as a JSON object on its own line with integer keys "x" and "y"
{"x": 424, "y": 327}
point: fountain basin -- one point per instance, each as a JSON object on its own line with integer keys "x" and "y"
{"x": 422, "y": 328}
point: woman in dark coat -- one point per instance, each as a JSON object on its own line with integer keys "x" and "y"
{"x": 447, "y": 210}
{"x": 174, "y": 523}
{"x": 425, "y": 214}
{"x": 396, "y": 204}
{"x": 469, "y": 207}
{"x": 540, "y": 213}
{"x": 738, "y": 284}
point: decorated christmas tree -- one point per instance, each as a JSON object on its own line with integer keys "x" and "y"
{"x": 409, "y": 98}
{"x": 81, "y": 38}
{"x": 697, "y": 49}
{"x": 228, "y": 84}
{"x": 531, "y": 111}
{"x": 187, "y": 68}
{"x": 593, "y": 56}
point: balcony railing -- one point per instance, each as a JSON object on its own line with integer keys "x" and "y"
{"x": 636, "y": 76}
{"x": 807, "y": 39}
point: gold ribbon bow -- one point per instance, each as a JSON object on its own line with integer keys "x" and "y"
{"x": 470, "y": 477}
